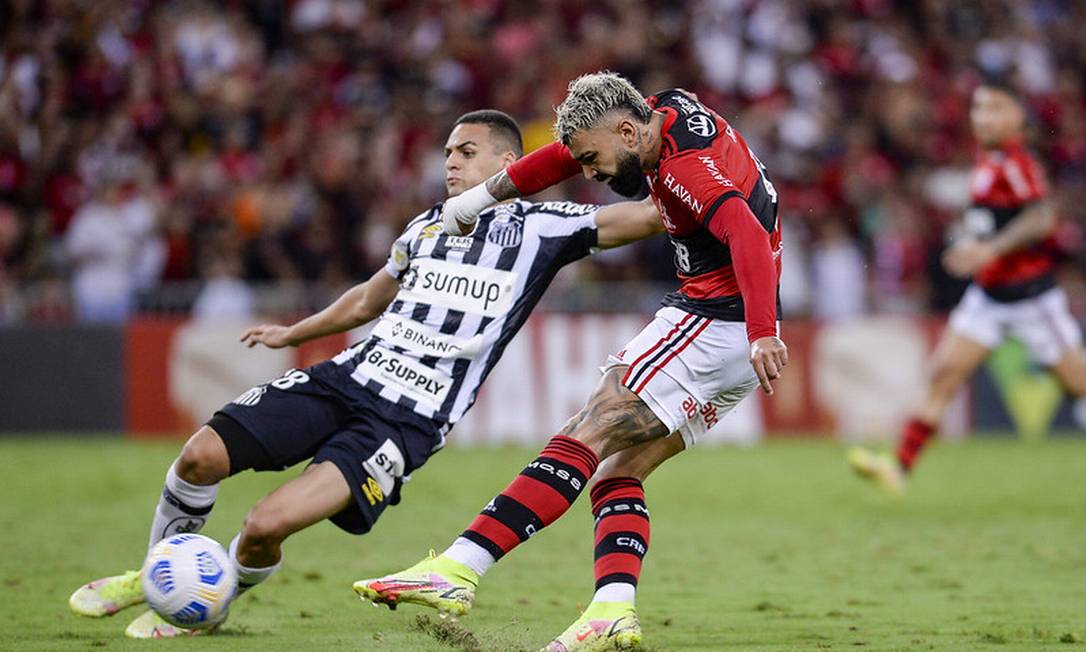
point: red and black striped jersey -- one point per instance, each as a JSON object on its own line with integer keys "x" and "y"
{"x": 1004, "y": 182}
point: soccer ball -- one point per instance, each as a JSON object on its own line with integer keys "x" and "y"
{"x": 189, "y": 580}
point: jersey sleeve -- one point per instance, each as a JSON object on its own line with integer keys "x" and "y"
{"x": 697, "y": 178}
{"x": 1026, "y": 177}
{"x": 571, "y": 227}
{"x": 543, "y": 168}
{"x": 756, "y": 272}
{"x": 399, "y": 255}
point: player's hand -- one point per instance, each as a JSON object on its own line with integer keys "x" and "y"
{"x": 768, "y": 356}
{"x": 460, "y": 213}
{"x": 968, "y": 258}
{"x": 270, "y": 335}
{"x": 457, "y": 217}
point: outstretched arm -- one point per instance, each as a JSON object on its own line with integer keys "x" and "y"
{"x": 537, "y": 171}
{"x": 355, "y": 307}
{"x": 627, "y": 222}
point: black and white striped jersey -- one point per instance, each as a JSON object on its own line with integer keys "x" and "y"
{"x": 462, "y": 299}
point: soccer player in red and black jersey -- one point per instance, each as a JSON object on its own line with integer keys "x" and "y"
{"x": 1005, "y": 245}
{"x": 712, "y": 343}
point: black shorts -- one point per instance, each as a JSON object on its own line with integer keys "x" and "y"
{"x": 320, "y": 413}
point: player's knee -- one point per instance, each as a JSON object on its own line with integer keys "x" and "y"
{"x": 264, "y": 527}
{"x": 1075, "y": 384}
{"x": 203, "y": 459}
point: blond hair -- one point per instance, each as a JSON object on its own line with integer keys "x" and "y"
{"x": 590, "y": 97}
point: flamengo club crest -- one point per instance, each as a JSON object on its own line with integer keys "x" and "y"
{"x": 506, "y": 230}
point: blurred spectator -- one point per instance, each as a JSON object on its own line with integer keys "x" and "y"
{"x": 838, "y": 277}
{"x": 312, "y": 130}
{"x": 114, "y": 250}
{"x": 224, "y": 297}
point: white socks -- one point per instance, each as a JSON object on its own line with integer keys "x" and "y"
{"x": 182, "y": 507}
{"x": 615, "y": 592}
{"x": 475, "y": 557}
{"x": 249, "y": 577}
{"x": 470, "y": 554}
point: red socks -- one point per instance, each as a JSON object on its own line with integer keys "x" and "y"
{"x": 542, "y": 492}
{"x": 622, "y": 530}
{"x": 914, "y": 436}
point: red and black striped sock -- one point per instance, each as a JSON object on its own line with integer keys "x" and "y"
{"x": 542, "y": 492}
{"x": 622, "y": 530}
{"x": 914, "y": 436}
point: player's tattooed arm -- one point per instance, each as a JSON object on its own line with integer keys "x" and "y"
{"x": 501, "y": 187}
{"x": 614, "y": 418}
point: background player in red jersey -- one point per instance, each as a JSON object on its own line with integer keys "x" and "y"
{"x": 711, "y": 344}
{"x": 1004, "y": 244}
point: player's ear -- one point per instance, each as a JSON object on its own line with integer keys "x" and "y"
{"x": 508, "y": 158}
{"x": 627, "y": 130}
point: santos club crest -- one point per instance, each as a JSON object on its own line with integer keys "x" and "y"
{"x": 506, "y": 230}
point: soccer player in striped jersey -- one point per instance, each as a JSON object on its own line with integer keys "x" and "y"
{"x": 1004, "y": 244}
{"x": 712, "y": 343}
{"x": 446, "y": 307}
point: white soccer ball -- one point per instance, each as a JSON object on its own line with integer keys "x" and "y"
{"x": 189, "y": 580}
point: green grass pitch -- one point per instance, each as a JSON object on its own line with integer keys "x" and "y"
{"x": 771, "y": 548}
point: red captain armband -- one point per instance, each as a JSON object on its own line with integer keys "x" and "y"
{"x": 543, "y": 168}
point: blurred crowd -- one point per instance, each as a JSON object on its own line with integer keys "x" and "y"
{"x": 147, "y": 145}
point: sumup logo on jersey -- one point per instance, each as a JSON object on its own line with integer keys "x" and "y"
{"x": 473, "y": 289}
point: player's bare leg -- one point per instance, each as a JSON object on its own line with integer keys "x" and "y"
{"x": 184, "y": 505}
{"x": 614, "y": 419}
{"x": 621, "y": 542}
{"x": 1070, "y": 370}
{"x": 319, "y": 492}
{"x": 203, "y": 459}
{"x": 956, "y": 358}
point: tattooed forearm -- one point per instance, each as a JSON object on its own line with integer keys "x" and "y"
{"x": 614, "y": 418}
{"x": 501, "y": 187}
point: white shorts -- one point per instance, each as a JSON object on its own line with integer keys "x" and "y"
{"x": 689, "y": 370}
{"x": 1042, "y": 323}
